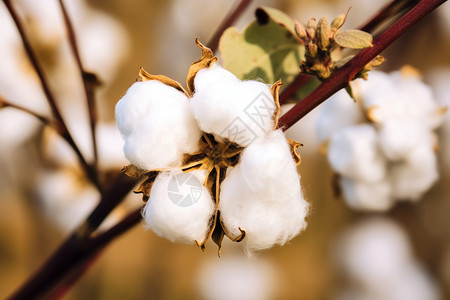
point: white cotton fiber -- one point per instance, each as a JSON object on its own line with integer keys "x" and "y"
{"x": 157, "y": 125}
{"x": 240, "y": 111}
{"x": 399, "y": 136}
{"x": 354, "y": 152}
{"x": 361, "y": 195}
{"x": 375, "y": 251}
{"x": 263, "y": 196}
{"x": 180, "y": 207}
{"x": 412, "y": 178}
{"x": 338, "y": 112}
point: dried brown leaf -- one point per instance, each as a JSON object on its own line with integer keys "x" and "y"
{"x": 206, "y": 61}
{"x": 144, "y": 76}
{"x": 274, "y": 90}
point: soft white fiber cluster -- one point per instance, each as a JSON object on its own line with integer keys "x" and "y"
{"x": 262, "y": 195}
{"x": 376, "y": 257}
{"x": 383, "y": 147}
{"x": 157, "y": 125}
{"x": 185, "y": 224}
{"x": 227, "y": 107}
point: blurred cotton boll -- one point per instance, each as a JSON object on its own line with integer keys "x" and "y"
{"x": 376, "y": 257}
{"x": 236, "y": 277}
{"x": 383, "y": 146}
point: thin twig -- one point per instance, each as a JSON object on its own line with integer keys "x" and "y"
{"x": 4, "y": 103}
{"x": 62, "y": 127}
{"x": 235, "y": 13}
{"x": 389, "y": 10}
{"x": 89, "y": 82}
{"x": 340, "y": 78}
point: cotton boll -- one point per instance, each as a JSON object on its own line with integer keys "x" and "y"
{"x": 180, "y": 207}
{"x": 240, "y": 111}
{"x": 157, "y": 125}
{"x": 361, "y": 195}
{"x": 262, "y": 195}
{"x": 354, "y": 152}
{"x": 374, "y": 252}
{"x": 376, "y": 256}
{"x": 234, "y": 277}
{"x": 398, "y": 137}
{"x": 338, "y": 112}
{"x": 374, "y": 89}
{"x": 412, "y": 178}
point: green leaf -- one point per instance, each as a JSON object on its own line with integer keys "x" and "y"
{"x": 279, "y": 17}
{"x": 354, "y": 39}
{"x": 262, "y": 51}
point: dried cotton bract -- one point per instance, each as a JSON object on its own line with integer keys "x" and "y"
{"x": 383, "y": 147}
{"x": 215, "y": 164}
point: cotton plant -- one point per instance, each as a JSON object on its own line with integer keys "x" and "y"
{"x": 383, "y": 147}
{"x": 221, "y": 131}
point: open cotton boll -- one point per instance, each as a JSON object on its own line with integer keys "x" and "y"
{"x": 263, "y": 196}
{"x": 338, "y": 112}
{"x": 354, "y": 152}
{"x": 180, "y": 207}
{"x": 361, "y": 195}
{"x": 398, "y": 137}
{"x": 412, "y": 178}
{"x": 241, "y": 111}
{"x": 157, "y": 125}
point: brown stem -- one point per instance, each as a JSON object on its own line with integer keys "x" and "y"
{"x": 340, "y": 78}
{"x": 44, "y": 120}
{"x": 89, "y": 82}
{"x": 235, "y": 13}
{"x": 62, "y": 127}
{"x": 78, "y": 247}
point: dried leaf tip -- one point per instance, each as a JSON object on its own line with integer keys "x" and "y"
{"x": 145, "y": 76}
{"x": 206, "y": 60}
{"x": 274, "y": 90}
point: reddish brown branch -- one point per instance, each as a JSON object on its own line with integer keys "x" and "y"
{"x": 60, "y": 123}
{"x": 227, "y": 22}
{"x": 340, "y": 78}
{"x": 89, "y": 82}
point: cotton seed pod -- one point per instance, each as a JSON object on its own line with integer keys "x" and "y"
{"x": 262, "y": 195}
{"x": 180, "y": 207}
{"x": 241, "y": 111}
{"x": 157, "y": 125}
{"x": 354, "y": 152}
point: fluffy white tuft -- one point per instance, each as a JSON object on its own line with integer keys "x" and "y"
{"x": 338, "y": 112}
{"x": 171, "y": 214}
{"x": 263, "y": 196}
{"x": 157, "y": 125}
{"x": 353, "y": 152}
{"x": 398, "y": 137}
{"x": 366, "y": 196}
{"x": 240, "y": 111}
{"x": 412, "y": 178}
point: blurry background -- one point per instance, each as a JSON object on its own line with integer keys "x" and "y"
{"x": 343, "y": 254}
